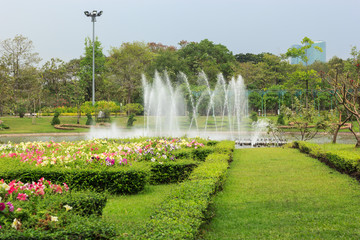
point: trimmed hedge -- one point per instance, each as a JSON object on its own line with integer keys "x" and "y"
{"x": 341, "y": 160}
{"x": 78, "y": 227}
{"x": 116, "y": 181}
{"x": 198, "y": 154}
{"x": 171, "y": 172}
{"x": 86, "y": 203}
{"x": 183, "y": 211}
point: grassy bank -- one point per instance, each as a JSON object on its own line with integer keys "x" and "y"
{"x": 279, "y": 193}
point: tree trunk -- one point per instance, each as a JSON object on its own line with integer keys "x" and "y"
{"x": 356, "y": 137}
{"x": 336, "y": 133}
{"x": 79, "y": 114}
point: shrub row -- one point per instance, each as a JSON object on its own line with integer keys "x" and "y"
{"x": 75, "y": 224}
{"x": 78, "y": 227}
{"x": 198, "y": 154}
{"x": 184, "y": 210}
{"x": 171, "y": 172}
{"x": 343, "y": 161}
{"x": 114, "y": 180}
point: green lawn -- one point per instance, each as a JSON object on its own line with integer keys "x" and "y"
{"x": 131, "y": 212}
{"x": 275, "y": 193}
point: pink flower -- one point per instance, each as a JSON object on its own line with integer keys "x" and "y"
{"x": 22, "y": 196}
{"x": 11, "y": 207}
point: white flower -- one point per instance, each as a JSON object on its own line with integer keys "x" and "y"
{"x": 5, "y": 186}
{"x": 54, "y": 219}
{"x": 153, "y": 159}
{"x": 16, "y": 224}
{"x": 67, "y": 207}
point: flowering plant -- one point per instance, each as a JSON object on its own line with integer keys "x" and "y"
{"x": 24, "y": 197}
{"x": 95, "y": 153}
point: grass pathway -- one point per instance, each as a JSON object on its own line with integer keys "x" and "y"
{"x": 130, "y": 212}
{"x": 274, "y": 193}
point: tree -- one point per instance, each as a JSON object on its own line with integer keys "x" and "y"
{"x": 53, "y": 76}
{"x": 19, "y": 63}
{"x": 169, "y": 60}
{"x": 86, "y": 69}
{"x": 210, "y": 58}
{"x": 126, "y": 64}
{"x": 345, "y": 87}
{"x": 302, "y": 53}
{"x": 250, "y": 57}
{"x": 5, "y": 91}
{"x": 304, "y": 120}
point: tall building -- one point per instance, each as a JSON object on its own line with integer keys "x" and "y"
{"x": 312, "y": 53}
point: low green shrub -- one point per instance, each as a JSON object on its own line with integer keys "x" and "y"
{"x": 182, "y": 213}
{"x": 198, "y": 154}
{"x": 214, "y": 168}
{"x": 85, "y": 203}
{"x": 184, "y": 210}
{"x": 344, "y": 161}
{"x": 226, "y": 147}
{"x": 171, "y": 172}
{"x": 127, "y": 180}
{"x": 77, "y": 227}
{"x": 55, "y": 120}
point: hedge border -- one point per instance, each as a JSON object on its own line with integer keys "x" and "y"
{"x": 182, "y": 213}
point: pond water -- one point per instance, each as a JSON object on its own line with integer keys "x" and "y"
{"x": 342, "y": 138}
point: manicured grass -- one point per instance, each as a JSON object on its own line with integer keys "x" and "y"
{"x": 131, "y": 212}
{"x": 274, "y": 193}
{"x": 42, "y": 125}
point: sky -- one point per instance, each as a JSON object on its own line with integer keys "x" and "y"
{"x": 58, "y": 28}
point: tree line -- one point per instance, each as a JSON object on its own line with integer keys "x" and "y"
{"x": 270, "y": 79}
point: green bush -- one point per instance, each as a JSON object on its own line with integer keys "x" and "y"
{"x": 171, "y": 172}
{"x": 85, "y": 203}
{"x": 280, "y": 119}
{"x": 127, "y": 180}
{"x": 254, "y": 116}
{"x": 184, "y": 210}
{"x": 55, "y": 120}
{"x": 198, "y": 154}
{"x": 89, "y": 120}
{"x": 131, "y": 120}
{"x": 342, "y": 160}
{"x": 4, "y": 126}
{"x": 77, "y": 227}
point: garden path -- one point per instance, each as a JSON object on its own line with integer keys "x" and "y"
{"x": 276, "y": 193}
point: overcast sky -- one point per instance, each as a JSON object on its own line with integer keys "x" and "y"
{"x": 58, "y": 28}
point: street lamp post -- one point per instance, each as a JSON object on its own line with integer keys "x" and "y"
{"x": 93, "y": 16}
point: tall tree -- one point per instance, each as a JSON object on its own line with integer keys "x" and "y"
{"x": 126, "y": 65}
{"x": 86, "y": 69}
{"x": 208, "y": 57}
{"x": 302, "y": 53}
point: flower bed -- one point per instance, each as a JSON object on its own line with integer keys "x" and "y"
{"x": 28, "y": 210}
{"x": 118, "y": 167}
{"x": 95, "y": 153}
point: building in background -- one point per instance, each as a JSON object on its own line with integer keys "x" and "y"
{"x": 312, "y": 53}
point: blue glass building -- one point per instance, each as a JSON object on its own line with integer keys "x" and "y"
{"x": 312, "y": 53}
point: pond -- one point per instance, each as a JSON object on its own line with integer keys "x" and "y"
{"x": 320, "y": 138}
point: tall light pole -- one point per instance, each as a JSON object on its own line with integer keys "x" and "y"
{"x": 93, "y": 16}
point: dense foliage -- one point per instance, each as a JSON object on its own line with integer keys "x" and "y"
{"x": 272, "y": 81}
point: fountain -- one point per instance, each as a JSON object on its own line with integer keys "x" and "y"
{"x": 177, "y": 110}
